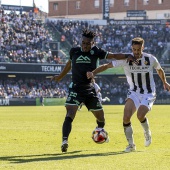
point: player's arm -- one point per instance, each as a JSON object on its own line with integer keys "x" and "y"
{"x": 162, "y": 76}
{"x": 121, "y": 56}
{"x": 99, "y": 69}
{"x": 117, "y": 56}
{"x": 66, "y": 69}
{"x": 99, "y": 90}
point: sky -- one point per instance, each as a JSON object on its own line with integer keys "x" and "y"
{"x": 42, "y": 4}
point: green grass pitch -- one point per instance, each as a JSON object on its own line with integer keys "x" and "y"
{"x": 30, "y": 139}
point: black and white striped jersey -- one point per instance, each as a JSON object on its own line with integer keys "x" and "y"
{"x": 140, "y": 77}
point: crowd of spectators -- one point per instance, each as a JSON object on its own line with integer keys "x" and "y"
{"x": 117, "y": 38}
{"x": 116, "y": 89}
{"x": 32, "y": 88}
{"x": 23, "y": 39}
{"x": 37, "y": 87}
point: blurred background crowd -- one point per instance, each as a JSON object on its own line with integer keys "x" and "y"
{"x": 37, "y": 87}
{"x": 23, "y": 39}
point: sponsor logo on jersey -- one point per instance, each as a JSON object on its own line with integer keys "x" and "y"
{"x": 145, "y": 62}
{"x": 83, "y": 59}
{"x": 91, "y": 52}
{"x": 139, "y": 68}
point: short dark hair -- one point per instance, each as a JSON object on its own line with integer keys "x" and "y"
{"x": 88, "y": 33}
{"x": 138, "y": 40}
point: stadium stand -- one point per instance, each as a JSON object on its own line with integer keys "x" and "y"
{"x": 23, "y": 39}
{"x": 32, "y": 88}
{"x": 117, "y": 38}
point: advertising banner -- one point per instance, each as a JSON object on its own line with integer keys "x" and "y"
{"x": 51, "y": 102}
{"x": 17, "y": 8}
{"x": 106, "y": 9}
{"x": 31, "y": 68}
{"x": 136, "y": 13}
{"x": 17, "y": 102}
{"x": 137, "y": 22}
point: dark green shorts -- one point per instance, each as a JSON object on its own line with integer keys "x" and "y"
{"x": 83, "y": 94}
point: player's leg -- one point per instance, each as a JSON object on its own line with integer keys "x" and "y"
{"x": 141, "y": 114}
{"x": 99, "y": 95}
{"x": 67, "y": 125}
{"x": 103, "y": 100}
{"x": 145, "y": 107}
{"x": 129, "y": 110}
{"x": 100, "y": 120}
{"x": 99, "y": 115}
{"x": 107, "y": 99}
{"x": 94, "y": 105}
{"x": 72, "y": 103}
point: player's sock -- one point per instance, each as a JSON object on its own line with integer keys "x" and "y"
{"x": 100, "y": 124}
{"x": 128, "y": 130}
{"x": 147, "y": 132}
{"x": 67, "y": 125}
{"x": 145, "y": 125}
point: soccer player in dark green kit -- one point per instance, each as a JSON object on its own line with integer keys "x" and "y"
{"x": 83, "y": 59}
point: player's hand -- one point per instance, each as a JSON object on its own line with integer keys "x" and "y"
{"x": 55, "y": 78}
{"x": 132, "y": 58}
{"x": 167, "y": 86}
{"x": 89, "y": 75}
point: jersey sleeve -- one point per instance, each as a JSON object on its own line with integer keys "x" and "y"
{"x": 118, "y": 63}
{"x": 101, "y": 53}
{"x": 157, "y": 65}
{"x": 71, "y": 53}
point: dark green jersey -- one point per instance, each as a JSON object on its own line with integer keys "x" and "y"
{"x": 82, "y": 62}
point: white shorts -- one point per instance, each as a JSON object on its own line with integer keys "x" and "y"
{"x": 142, "y": 99}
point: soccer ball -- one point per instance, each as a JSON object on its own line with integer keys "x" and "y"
{"x": 99, "y": 136}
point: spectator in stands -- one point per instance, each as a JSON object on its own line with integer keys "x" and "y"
{"x": 22, "y": 34}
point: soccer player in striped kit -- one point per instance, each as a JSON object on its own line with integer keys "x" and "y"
{"x": 142, "y": 93}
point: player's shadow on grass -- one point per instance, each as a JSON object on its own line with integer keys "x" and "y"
{"x": 52, "y": 157}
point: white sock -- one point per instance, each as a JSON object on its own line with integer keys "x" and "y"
{"x": 145, "y": 125}
{"x": 129, "y": 134}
